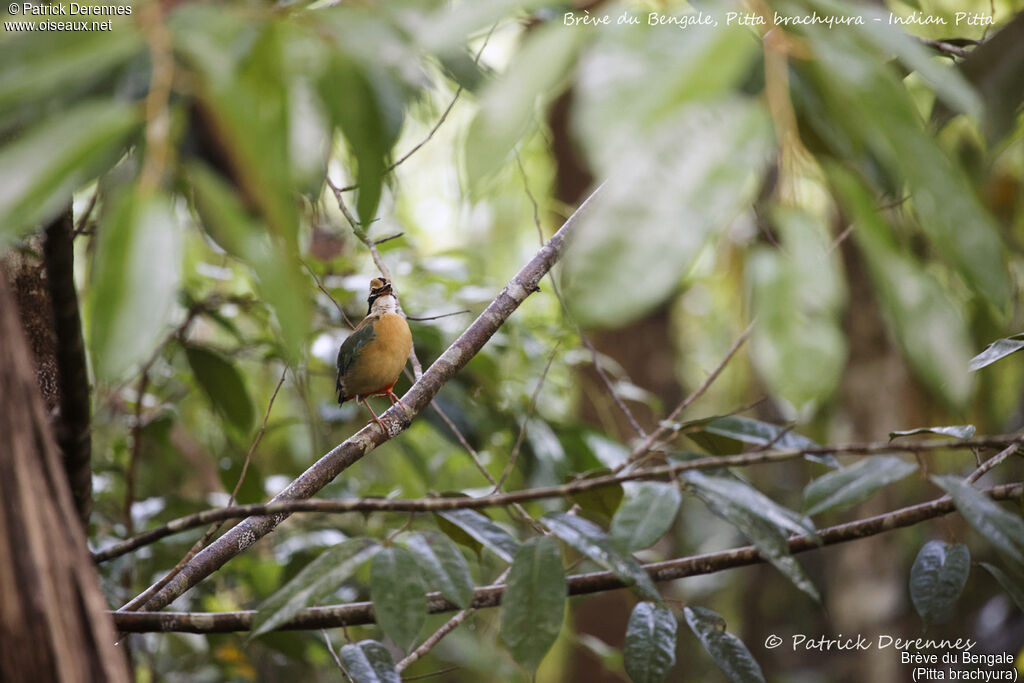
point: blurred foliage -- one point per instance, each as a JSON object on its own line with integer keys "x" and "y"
{"x": 744, "y": 178}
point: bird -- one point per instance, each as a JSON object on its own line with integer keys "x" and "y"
{"x": 373, "y": 356}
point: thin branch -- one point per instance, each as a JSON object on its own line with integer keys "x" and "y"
{"x": 499, "y": 500}
{"x": 353, "y": 614}
{"x": 667, "y": 428}
{"x": 945, "y": 48}
{"x": 440, "y": 633}
{"x": 330, "y": 296}
{"x": 462, "y": 440}
{"x": 395, "y": 420}
{"x": 334, "y": 654}
{"x": 438, "y": 317}
{"x": 382, "y": 240}
{"x": 595, "y": 359}
{"x": 993, "y": 461}
{"x": 526, "y": 419}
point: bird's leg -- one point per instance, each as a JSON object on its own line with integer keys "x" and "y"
{"x": 375, "y": 418}
{"x": 392, "y": 397}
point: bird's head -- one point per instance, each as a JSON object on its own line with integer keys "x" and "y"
{"x": 382, "y": 296}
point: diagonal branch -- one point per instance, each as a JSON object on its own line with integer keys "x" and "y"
{"x": 357, "y": 613}
{"x": 396, "y": 419}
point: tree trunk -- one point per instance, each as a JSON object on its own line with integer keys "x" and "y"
{"x": 53, "y": 625}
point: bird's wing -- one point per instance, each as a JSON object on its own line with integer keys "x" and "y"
{"x": 349, "y": 351}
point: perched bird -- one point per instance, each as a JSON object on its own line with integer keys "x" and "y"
{"x": 372, "y": 357}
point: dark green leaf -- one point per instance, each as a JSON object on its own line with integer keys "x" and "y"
{"x": 588, "y": 539}
{"x": 744, "y": 495}
{"x": 1000, "y": 348}
{"x": 650, "y": 651}
{"x": 399, "y": 595}
{"x": 369, "y": 662}
{"x": 937, "y": 578}
{"x": 771, "y": 542}
{"x": 533, "y": 606}
{"x": 646, "y": 516}
{"x": 134, "y": 283}
{"x": 445, "y": 567}
{"x": 728, "y": 651}
{"x": 855, "y": 484}
{"x": 996, "y": 69}
{"x": 455, "y": 532}
{"x": 43, "y": 166}
{"x": 483, "y": 530}
{"x": 222, "y": 382}
{"x": 914, "y": 303}
{"x": 956, "y": 431}
{"x": 317, "y": 580}
{"x": 739, "y": 430}
{"x": 598, "y": 504}
{"x": 1011, "y": 585}
{"x": 1002, "y": 528}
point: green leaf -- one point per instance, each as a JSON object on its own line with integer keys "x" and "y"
{"x": 1000, "y": 348}
{"x": 745, "y": 496}
{"x": 222, "y": 382}
{"x": 369, "y": 662}
{"x": 483, "y": 530}
{"x": 728, "y": 651}
{"x": 588, "y": 539}
{"x": 43, "y": 70}
{"x": 456, "y": 533}
{"x": 317, "y": 580}
{"x": 398, "y": 594}
{"x": 854, "y": 484}
{"x": 937, "y": 578}
{"x": 1012, "y": 586}
{"x": 276, "y": 265}
{"x": 44, "y": 165}
{"x": 706, "y": 162}
{"x": 913, "y": 302}
{"x": 598, "y": 505}
{"x": 508, "y": 105}
{"x": 741, "y": 430}
{"x": 1003, "y": 529}
{"x": 798, "y": 346}
{"x": 134, "y": 283}
{"x": 875, "y": 109}
{"x": 650, "y": 651}
{"x": 646, "y": 516}
{"x": 770, "y": 541}
{"x": 533, "y": 606}
{"x": 239, "y": 63}
{"x": 996, "y": 69}
{"x": 445, "y": 567}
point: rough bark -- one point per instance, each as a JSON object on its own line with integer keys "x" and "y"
{"x": 53, "y": 625}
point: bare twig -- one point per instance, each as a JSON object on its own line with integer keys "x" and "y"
{"x": 595, "y": 359}
{"x": 666, "y": 427}
{"x": 330, "y": 296}
{"x": 526, "y": 419}
{"x": 334, "y": 654}
{"x": 437, "y": 317}
{"x": 440, "y": 633}
{"x": 993, "y": 461}
{"x": 490, "y": 596}
{"x": 945, "y": 48}
{"x": 395, "y": 420}
{"x": 560, "y": 491}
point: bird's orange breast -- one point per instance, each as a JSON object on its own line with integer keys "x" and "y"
{"x": 380, "y": 361}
